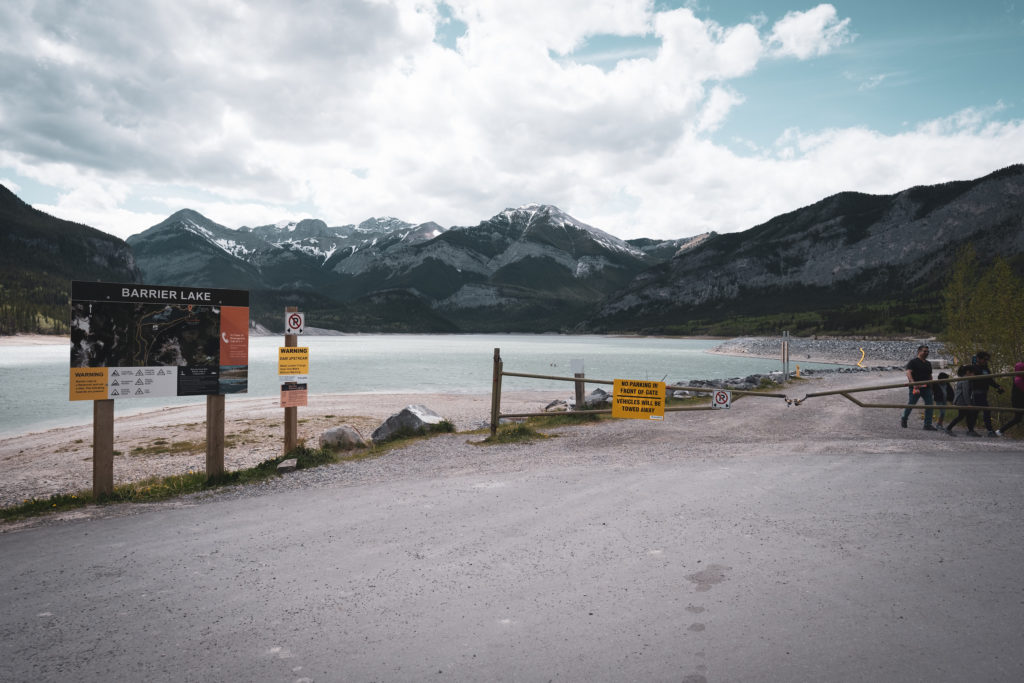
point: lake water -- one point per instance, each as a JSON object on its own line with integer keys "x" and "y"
{"x": 35, "y": 378}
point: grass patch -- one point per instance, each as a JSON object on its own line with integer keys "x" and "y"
{"x": 165, "y": 447}
{"x": 517, "y": 432}
{"x": 673, "y": 402}
{"x": 527, "y": 430}
{"x": 563, "y": 420}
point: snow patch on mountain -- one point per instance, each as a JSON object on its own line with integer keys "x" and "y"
{"x": 533, "y": 213}
{"x": 590, "y": 265}
{"x": 228, "y": 245}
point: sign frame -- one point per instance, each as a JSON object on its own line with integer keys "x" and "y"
{"x": 174, "y": 340}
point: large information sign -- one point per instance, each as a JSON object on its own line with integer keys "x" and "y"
{"x": 638, "y": 399}
{"x": 135, "y": 341}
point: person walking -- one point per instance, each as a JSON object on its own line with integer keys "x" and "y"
{"x": 1016, "y": 399}
{"x": 919, "y": 370}
{"x": 943, "y": 394}
{"x": 962, "y": 397}
{"x": 980, "y": 386}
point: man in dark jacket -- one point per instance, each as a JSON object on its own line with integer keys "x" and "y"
{"x": 919, "y": 370}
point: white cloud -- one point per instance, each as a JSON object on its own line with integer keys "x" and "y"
{"x": 866, "y": 82}
{"x": 809, "y": 34}
{"x": 253, "y": 112}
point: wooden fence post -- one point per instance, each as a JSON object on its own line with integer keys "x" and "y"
{"x": 496, "y": 391}
{"x": 102, "y": 447}
{"x": 579, "y": 392}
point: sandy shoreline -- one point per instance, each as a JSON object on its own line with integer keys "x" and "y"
{"x": 59, "y": 460}
{"x": 34, "y": 340}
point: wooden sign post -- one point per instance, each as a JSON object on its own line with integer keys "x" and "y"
{"x": 102, "y": 447}
{"x": 215, "y": 436}
{"x": 291, "y": 415}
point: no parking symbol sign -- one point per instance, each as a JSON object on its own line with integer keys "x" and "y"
{"x": 722, "y": 399}
{"x": 294, "y": 323}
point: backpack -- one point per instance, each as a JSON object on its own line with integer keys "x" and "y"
{"x": 962, "y": 393}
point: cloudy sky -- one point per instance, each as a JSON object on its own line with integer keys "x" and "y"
{"x": 647, "y": 118}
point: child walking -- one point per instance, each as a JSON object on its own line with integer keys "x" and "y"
{"x": 943, "y": 394}
{"x": 962, "y": 397}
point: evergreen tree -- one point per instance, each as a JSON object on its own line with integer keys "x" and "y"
{"x": 984, "y": 310}
{"x": 998, "y": 306}
{"x": 959, "y": 339}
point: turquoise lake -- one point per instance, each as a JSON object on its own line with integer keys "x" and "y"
{"x": 35, "y": 377}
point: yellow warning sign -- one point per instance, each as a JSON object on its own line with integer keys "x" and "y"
{"x": 88, "y": 384}
{"x": 293, "y": 360}
{"x": 639, "y": 399}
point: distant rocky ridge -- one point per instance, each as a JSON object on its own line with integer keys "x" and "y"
{"x": 847, "y": 249}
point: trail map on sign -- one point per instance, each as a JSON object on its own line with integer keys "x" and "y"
{"x": 118, "y": 334}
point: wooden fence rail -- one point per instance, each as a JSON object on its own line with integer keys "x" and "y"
{"x": 580, "y": 380}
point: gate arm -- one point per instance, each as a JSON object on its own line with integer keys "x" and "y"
{"x": 845, "y": 393}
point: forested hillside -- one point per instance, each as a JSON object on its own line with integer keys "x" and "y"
{"x": 39, "y": 257}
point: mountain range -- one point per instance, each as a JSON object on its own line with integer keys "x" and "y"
{"x": 856, "y": 261}
{"x": 534, "y": 268}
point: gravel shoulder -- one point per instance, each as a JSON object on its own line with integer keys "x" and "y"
{"x": 40, "y": 464}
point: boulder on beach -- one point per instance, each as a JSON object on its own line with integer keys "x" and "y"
{"x": 343, "y": 438}
{"x": 413, "y": 418}
{"x": 557, "y": 406}
{"x": 598, "y": 398}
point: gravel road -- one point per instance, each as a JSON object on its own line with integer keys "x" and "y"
{"x": 766, "y": 542}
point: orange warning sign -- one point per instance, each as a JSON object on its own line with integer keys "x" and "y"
{"x": 88, "y": 384}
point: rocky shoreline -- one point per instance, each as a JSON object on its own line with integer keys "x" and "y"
{"x": 878, "y": 356}
{"x": 842, "y": 351}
